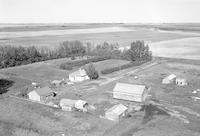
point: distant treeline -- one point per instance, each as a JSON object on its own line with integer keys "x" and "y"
{"x": 17, "y": 55}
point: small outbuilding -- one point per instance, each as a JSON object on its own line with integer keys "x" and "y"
{"x": 57, "y": 82}
{"x": 116, "y": 112}
{"x": 181, "y": 82}
{"x": 41, "y": 94}
{"x": 130, "y": 92}
{"x": 78, "y": 76}
{"x": 81, "y": 105}
{"x": 169, "y": 79}
{"x": 67, "y": 104}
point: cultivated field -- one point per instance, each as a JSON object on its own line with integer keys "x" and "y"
{"x": 187, "y": 48}
{"x": 115, "y": 33}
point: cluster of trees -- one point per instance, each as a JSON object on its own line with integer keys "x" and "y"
{"x": 12, "y": 56}
{"x": 138, "y": 52}
{"x": 4, "y": 85}
{"x": 91, "y": 71}
{"x": 71, "y": 49}
{"x": 104, "y": 49}
{"x": 15, "y": 55}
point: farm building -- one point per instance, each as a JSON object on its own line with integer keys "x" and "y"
{"x": 181, "y": 82}
{"x": 78, "y": 76}
{"x": 41, "y": 94}
{"x": 169, "y": 79}
{"x": 57, "y": 82}
{"x": 67, "y": 104}
{"x": 81, "y": 105}
{"x": 130, "y": 92}
{"x": 35, "y": 85}
{"x": 116, "y": 112}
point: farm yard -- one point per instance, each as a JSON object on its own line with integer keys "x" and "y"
{"x": 169, "y": 109}
{"x": 22, "y": 117}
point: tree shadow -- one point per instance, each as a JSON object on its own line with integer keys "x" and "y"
{"x": 4, "y": 85}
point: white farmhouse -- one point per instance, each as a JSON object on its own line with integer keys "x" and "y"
{"x": 130, "y": 92}
{"x": 41, "y": 94}
{"x": 116, "y": 112}
{"x": 78, "y": 76}
{"x": 169, "y": 79}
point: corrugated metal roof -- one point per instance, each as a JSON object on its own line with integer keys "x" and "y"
{"x": 131, "y": 89}
{"x": 117, "y": 109}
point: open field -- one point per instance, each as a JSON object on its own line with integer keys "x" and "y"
{"x": 52, "y": 26}
{"x": 4, "y": 35}
{"x": 176, "y": 27}
{"x": 52, "y": 38}
{"x": 187, "y": 48}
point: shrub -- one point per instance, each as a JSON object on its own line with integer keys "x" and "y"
{"x": 125, "y": 66}
{"x": 4, "y": 85}
{"x": 91, "y": 71}
{"x": 79, "y": 63}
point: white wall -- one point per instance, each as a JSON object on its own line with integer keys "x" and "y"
{"x": 34, "y": 96}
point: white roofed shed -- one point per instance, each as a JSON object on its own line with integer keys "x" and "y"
{"x": 81, "y": 105}
{"x": 116, "y": 112}
{"x": 169, "y": 79}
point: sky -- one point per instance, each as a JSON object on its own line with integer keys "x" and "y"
{"x": 99, "y": 11}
